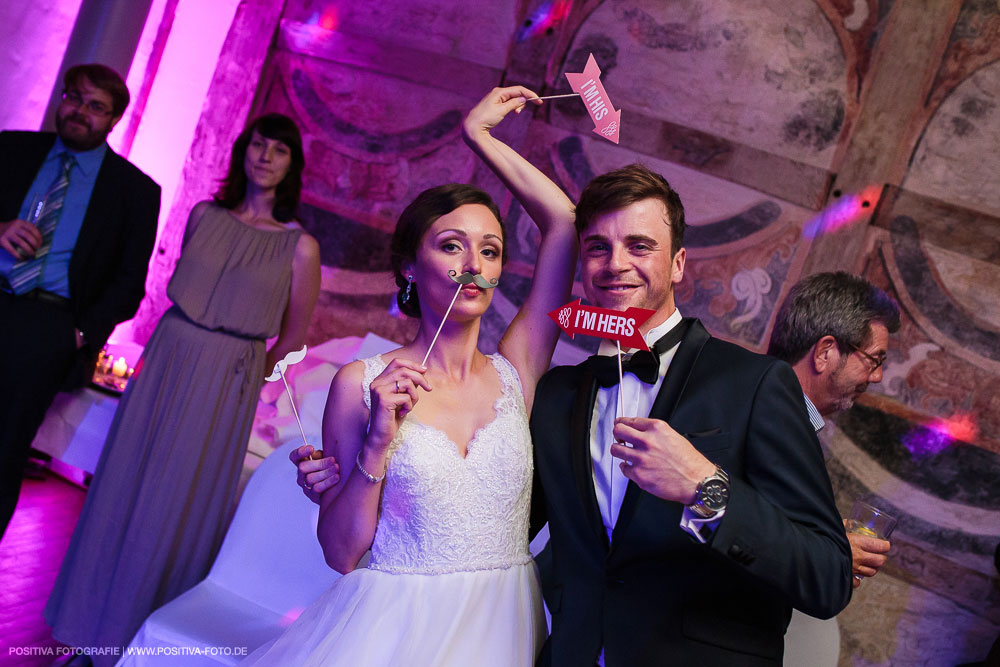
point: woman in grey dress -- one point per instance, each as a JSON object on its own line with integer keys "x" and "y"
{"x": 157, "y": 510}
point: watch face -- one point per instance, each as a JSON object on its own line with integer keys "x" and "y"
{"x": 715, "y": 494}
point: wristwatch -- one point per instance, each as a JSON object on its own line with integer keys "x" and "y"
{"x": 712, "y": 494}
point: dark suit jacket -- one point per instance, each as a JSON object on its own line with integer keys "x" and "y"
{"x": 657, "y": 596}
{"x": 107, "y": 272}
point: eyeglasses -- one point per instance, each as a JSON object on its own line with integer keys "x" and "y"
{"x": 874, "y": 362}
{"x": 93, "y": 107}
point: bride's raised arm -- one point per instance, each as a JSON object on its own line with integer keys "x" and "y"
{"x": 531, "y": 337}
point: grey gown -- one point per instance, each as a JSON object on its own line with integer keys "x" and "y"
{"x": 161, "y": 497}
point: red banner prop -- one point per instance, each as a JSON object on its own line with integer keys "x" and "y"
{"x": 574, "y": 318}
{"x": 607, "y": 119}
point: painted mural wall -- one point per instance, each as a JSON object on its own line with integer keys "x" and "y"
{"x": 34, "y": 37}
{"x": 802, "y": 135}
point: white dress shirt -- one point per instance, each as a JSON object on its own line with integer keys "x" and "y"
{"x": 637, "y": 398}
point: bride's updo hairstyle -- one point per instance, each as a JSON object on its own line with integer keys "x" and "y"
{"x": 418, "y": 217}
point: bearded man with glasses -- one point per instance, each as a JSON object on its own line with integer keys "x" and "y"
{"x": 833, "y": 329}
{"x": 78, "y": 226}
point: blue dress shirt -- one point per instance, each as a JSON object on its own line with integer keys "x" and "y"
{"x": 83, "y": 175}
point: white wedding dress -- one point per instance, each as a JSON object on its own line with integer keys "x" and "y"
{"x": 451, "y": 581}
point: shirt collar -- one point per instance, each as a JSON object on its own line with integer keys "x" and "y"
{"x": 815, "y": 418}
{"x": 608, "y": 347}
{"x": 88, "y": 162}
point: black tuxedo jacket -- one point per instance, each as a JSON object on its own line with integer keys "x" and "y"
{"x": 656, "y": 596}
{"x": 107, "y": 272}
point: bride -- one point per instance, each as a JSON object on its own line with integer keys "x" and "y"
{"x": 437, "y": 462}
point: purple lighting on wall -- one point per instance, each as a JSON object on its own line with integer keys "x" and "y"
{"x": 935, "y": 437}
{"x": 328, "y": 19}
{"x": 547, "y": 16}
{"x": 847, "y": 209}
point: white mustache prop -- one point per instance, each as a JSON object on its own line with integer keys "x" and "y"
{"x": 292, "y": 358}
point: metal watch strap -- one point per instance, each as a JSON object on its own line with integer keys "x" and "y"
{"x": 698, "y": 506}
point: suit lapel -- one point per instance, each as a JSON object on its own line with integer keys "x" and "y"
{"x": 19, "y": 171}
{"x": 663, "y": 407}
{"x": 580, "y": 420}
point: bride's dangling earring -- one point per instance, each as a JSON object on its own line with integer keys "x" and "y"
{"x": 409, "y": 286}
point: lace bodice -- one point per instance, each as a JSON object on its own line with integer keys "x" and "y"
{"x": 442, "y": 513}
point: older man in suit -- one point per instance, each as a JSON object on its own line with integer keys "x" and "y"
{"x": 79, "y": 226}
{"x": 685, "y": 531}
{"x": 833, "y": 329}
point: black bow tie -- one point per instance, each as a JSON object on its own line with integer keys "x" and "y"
{"x": 645, "y": 365}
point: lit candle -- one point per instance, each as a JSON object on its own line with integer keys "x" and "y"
{"x": 120, "y": 367}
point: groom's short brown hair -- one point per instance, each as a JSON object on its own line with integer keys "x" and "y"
{"x": 628, "y": 185}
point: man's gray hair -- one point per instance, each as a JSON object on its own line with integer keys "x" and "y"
{"x": 830, "y": 304}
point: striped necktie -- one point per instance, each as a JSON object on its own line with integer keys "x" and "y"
{"x": 24, "y": 275}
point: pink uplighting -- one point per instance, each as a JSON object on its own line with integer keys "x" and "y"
{"x": 849, "y": 208}
{"x": 291, "y": 616}
{"x": 933, "y": 438}
{"x": 327, "y": 19}
{"x": 548, "y": 15}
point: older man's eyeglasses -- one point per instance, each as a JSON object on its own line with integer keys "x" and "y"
{"x": 93, "y": 107}
{"x": 874, "y": 363}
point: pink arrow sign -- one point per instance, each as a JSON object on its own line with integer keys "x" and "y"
{"x": 607, "y": 120}
{"x": 574, "y": 318}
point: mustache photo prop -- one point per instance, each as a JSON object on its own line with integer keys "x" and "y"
{"x": 469, "y": 278}
{"x": 293, "y": 357}
{"x": 464, "y": 279}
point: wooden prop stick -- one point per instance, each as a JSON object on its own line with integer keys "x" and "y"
{"x": 621, "y": 413}
{"x": 467, "y": 278}
{"x": 294, "y": 411}
{"x": 621, "y": 403}
{"x": 293, "y": 357}
{"x": 552, "y": 97}
{"x": 446, "y": 313}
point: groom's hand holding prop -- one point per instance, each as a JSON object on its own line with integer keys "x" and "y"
{"x": 653, "y": 455}
{"x": 623, "y": 328}
{"x": 660, "y": 460}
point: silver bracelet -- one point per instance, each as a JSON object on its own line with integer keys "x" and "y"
{"x": 370, "y": 477}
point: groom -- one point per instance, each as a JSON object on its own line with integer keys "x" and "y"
{"x": 692, "y": 542}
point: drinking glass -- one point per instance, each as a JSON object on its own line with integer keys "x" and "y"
{"x": 868, "y": 520}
